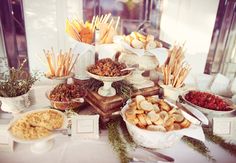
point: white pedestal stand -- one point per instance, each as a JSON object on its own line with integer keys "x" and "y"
{"x": 107, "y": 89}
{"x": 138, "y": 80}
{"x": 42, "y": 147}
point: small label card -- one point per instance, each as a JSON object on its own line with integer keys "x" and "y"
{"x": 85, "y": 126}
{"x": 6, "y": 143}
{"x": 225, "y": 127}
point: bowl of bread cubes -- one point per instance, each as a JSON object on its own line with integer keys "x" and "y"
{"x": 154, "y": 122}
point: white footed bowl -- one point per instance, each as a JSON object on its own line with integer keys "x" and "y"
{"x": 40, "y": 145}
{"x": 107, "y": 89}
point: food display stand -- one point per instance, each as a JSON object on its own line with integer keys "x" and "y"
{"x": 135, "y": 106}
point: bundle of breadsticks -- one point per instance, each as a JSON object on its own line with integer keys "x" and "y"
{"x": 79, "y": 30}
{"x": 175, "y": 69}
{"x": 140, "y": 41}
{"x": 59, "y": 65}
{"x": 84, "y": 32}
{"x": 107, "y": 28}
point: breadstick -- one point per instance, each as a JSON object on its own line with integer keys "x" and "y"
{"x": 49, "y": 61}
{"x": 74, "y": 63}
{"x": 179, "y": 79}
{"x": 107, "y": 32}
{"x": 96, "y": 22}
{"x": 110, "y": 34}
{"x": 101, "y": 18}
{"x": 103, "y": 21}
{"x": 172, "y": 56}
{"x": 167, "y": 74}
{"x": 183, "y": 78}
{"x": 49, "y": 66}
{"x": 93, "y": 20}
{"x": 92, "y": 23}
{"x": 53, "y": 59}
{"x": 65, "y": 65}
{"x": 164, "y": 74}
{"x": 117, "y": 22}
{"x": 176, "y": 77}
{"x": 107, "y": 18}
{"x": 110, "y": 24}
{"x": 73, "y": 30}
{"x": 67, "y": 62}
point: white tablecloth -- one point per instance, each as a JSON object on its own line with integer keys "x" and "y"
{"x": 67, "y": 150}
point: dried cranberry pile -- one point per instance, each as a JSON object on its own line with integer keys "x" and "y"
{"x": 66, "y": 92}
{"x": 207, "y": 100}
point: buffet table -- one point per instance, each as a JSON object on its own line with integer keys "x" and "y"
{"x": 71, "y": 150}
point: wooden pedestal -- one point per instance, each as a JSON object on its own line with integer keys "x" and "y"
{"x": 108, "y": 106}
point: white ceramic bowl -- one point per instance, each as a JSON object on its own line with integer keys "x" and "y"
{"x": 40, "y": 139}
{"x": 106, "y": 78}
{"x": 40, "y": 145}
{"x": 72, "y": 104}
{"x": 158, "y": 139}
{"x": 209, "y": 111}
{"x": 150, "y": 139}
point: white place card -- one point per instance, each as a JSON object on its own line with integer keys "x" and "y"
{"x": 85, "y": 126}
{"x": 6, "y": 143}
{"x": 225, "y": 127}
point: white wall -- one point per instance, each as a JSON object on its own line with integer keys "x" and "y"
{"x": 45, "y": 27}
{"x": 191, "y": 21}
{"x": 183, "y": 20}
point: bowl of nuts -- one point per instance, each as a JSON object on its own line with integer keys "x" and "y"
{"x": 66, "y": 96}
{"x": 108, "y": 71}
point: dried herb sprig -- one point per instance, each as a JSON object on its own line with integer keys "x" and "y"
{"x": 92, "y": 84}
{"x": 231, "y": 148}
{"x": 124, "y": 89}
{"x": 18, "y": 82}
{"x": 118, "y": 144}
{"x": 198, "y": 146}
{"x": 126, "y": 134}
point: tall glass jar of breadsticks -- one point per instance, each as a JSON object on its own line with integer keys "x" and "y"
{"x": 174, "y": 71}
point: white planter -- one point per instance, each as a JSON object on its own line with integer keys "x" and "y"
{"x": 172, "y": 92}
{"x": 15, "y": 104}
